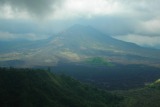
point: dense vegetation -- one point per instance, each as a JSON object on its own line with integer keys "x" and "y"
{"x": 144, "y": 97}
{"x": 39, "y": 88}
{"x": 117, "y": 77}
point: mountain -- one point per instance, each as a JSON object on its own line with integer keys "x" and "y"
{"x": 85, "y": 41}
{"x": 80, "y": 43}
{"x": 39, "y": 88}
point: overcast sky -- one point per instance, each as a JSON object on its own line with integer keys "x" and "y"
{"x": 136, "y": 21}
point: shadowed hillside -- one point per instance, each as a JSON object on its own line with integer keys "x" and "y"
{"x": 144, "y": 97}
{"x": 38, "y": 88}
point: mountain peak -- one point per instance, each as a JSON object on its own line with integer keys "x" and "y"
{"x": 85, "y": 28}
{"x": 80, "y": 26}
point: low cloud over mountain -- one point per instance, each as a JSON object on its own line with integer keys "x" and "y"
{"x": 113, "y": 17}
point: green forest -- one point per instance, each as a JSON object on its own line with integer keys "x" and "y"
{"x": 41, "y": 88}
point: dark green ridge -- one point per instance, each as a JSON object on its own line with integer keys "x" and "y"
{"x": 39, "y": 88}
{"x": 148, "y": 96}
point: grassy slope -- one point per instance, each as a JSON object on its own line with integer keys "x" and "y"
{"x": 98, "y": 61}
{"x": 38, "y": 88}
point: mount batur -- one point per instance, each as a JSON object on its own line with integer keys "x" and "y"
{"x": 76, "y": 44}
{"x": 79, "y": 67}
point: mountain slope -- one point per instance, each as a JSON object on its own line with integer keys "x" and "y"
{"x": 78, "y": 43}
{"x": 88, "y": 37}
{"x": 38, "y": 88}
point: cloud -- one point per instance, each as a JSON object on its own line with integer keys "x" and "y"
{"x": 6, "y": 36}
{"x": 113, "y": 17}
{"x": 141, "y": 40}
{"x": 86, "y": 8}
{"x": 92, "y": 8}
{"x": 66, "y": 9}
{"x": 73, "y": 9}
{"x": 149, "y": 27}
{"x": 26, "y": 8}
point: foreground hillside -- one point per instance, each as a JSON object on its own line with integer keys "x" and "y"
{"x": 144, "y": 97}
{"x": 38, "y": 88}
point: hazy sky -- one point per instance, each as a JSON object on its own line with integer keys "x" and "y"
{"x": 131, "y": 20}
